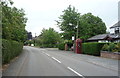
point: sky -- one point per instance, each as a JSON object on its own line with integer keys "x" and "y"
{"x": 43, "y": 13}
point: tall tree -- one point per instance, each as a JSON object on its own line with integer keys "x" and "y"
{"x": 68, "y": 22}
{"x": 83, "y": 26}
{"x": 13, "y": 22}
{"x": 90, "y": 25}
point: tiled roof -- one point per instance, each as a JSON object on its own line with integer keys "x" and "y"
{"x": 114, "y": 35}
{"x": 116, "y": 25}
{"x": 103, "y": 36}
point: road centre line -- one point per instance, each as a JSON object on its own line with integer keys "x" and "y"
{"x": 56, "y": 60}
{"x": 75, "y": 72}
{"x": 47, "y": 54}
{"x": 67, "y": 67}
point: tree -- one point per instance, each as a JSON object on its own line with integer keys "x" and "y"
{"x": 13, "y": 22}
{"x": 90, "y": 25}
{"x": 49, "y": 37}
{"x": 68, "y": 22}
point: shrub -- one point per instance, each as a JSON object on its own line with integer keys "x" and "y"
{"x": 10, "y": 49}
{"x": 92, "y": 48}
{"x": 29, "y": 42}
{"x": 118, "y": 46}
{"x": 105, "y": 47}
{"x": 69, "y": 44}
{"x": 112, "y": 47}
{"x": 61, "y": 46}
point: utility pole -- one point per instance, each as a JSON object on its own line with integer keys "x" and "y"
{"x": 77, "y": 30}
{"x": 77, "y": 26}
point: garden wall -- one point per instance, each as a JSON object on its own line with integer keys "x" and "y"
{"x": 110, "y": 55}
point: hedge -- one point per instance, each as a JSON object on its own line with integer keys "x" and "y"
{"x": 92, "y": 48}
{"x": 10, "y": 49}
{"x": 61, "y": 46}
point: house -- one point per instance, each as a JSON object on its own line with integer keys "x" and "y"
{"x": 116, "y": 28}
{"x": 29, "y": 36}
{"x": 112, "y": 37}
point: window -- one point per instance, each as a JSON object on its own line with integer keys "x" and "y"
{"x": 117, "y": 30}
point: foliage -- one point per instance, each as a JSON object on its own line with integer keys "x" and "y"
{"x": 69, "y": 43}
{"x": 10, "y": 49}
{"x": 13, "y": 30}
{"x": 105, "y": 47}
{"x": 91, "y": 25}
{"x": 28, "y": 42}
{"x": 68, "y": 22}
{"x": 118, "y": 46}
{"x": 88, "y": 24}
{"x": 92, "y": 48}
{"x": 61, "y": 46}
{"x": 112, "y": 47}
{"x": 13, "y": 22}
{"x": 49, "y": 37}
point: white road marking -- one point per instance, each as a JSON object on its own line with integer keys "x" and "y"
{"x": 43, "y": 49}
{"x": 56, "y": 60}
{"x": 47, "y": 54}
{"x": 75, "y": 72}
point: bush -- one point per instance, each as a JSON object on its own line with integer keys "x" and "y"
{"x": 61, "y": 46}
{"x": 28, "y": 42}
{"x": 112, "y": 47}
{"x": 92, "y": 48}
{"x": 10, "y": 49}
{"x": 69, "y": 44}
{"x": 118, "y": 46}
{"x": 105, "y": 47}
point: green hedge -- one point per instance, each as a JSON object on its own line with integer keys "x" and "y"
{"x": 92, "y": 48}
{"x": 61, "y": 46}
{"x": 10, "y": 49}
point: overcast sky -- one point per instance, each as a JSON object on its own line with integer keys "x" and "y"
{"x": 43, "y": 13}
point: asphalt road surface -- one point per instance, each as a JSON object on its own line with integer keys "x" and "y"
{"x": 45, "y": 62}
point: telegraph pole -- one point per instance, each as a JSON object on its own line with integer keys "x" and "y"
{"x": 77, "y": 30}
{"x": 77, "y": 26}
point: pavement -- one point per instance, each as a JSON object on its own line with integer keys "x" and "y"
{"x": 53, "y": 62}
{"x": 105, "y": 62}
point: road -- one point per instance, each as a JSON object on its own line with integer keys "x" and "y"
{"x": 44, "y": 62}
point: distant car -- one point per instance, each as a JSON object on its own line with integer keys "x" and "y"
{"x": 32, "y": 44}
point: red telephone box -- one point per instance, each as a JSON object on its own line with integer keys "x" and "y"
{"x": 78, "y": 46}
